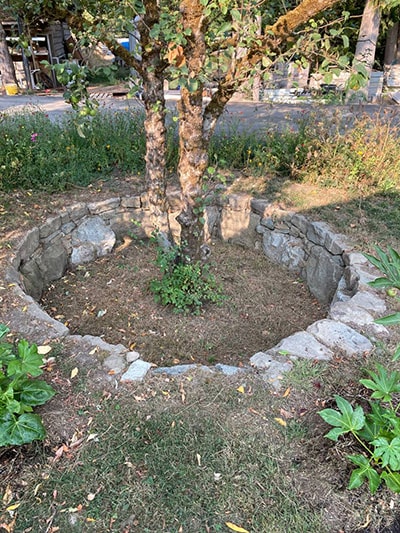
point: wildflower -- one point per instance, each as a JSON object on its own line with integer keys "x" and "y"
{"x": 108, "y": 146}
{"x": 68, "y": 148}
{"x": 34, "y": 137}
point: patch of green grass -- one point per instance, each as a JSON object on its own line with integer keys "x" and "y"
{"x": 304, "y": 374}
{"x": 165, "y": 466}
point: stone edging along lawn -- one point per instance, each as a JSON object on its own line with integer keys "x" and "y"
{"x": 335, "y": 275}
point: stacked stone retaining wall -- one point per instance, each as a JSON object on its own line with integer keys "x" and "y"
{"x": 334, "y": 273}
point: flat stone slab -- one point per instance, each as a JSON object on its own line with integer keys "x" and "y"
{"x": 174, "y": 370}
{"x": 304, "y": 345}
{"x": 229, "y": 370}
{"x": 356, "y": 317}
{"x": 338, "y": 336}
{"x": 136, "y": 372}
{"x": 114, "y": 363}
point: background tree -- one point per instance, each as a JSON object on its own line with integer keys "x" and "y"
{"x": 7, "y": 69}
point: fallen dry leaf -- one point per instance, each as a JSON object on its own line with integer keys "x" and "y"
{"x": 240, "y": 389}
{"x": 182, "y": 391}
{"x": 286, "y": 393}
{"x": 234, "y": 527}
{"x": 74, "y": 372}
{"x": 281, "y": 421}
{"x": 43, "y": 350}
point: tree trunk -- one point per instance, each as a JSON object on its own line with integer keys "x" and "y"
{"x": 193, "y": 145}
{"x": 6, "y": 64}
{"x": 391, "y": 47}
{"x": 366, "y": 44}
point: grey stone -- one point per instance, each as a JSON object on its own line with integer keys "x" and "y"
{"x": 261, "y": 360}
{"x": 114, "y": 363}
{"x": 132, "y": 202}
{"x": 33, "y": 279}
{"x": 281, "y": 227}
{"x": 212, "y": 225}
{"x": 342, "y": 294}
{"x": 284, "y": 249}
{"x": 136, "y": 372}
{"x": 369, "y": 301}
{"x": 93, "y": 230}
{"x": 316, "y": 232}
{"x": 259, "y": 206}
{"x": 50, "y": 226}
{"x": 300, "y": 222}
{"x": 239, "y": 202}
{"x": 354, "y": 259}
{"x": 53, "y": 262}
{"x": 268, "y": 223}
{"x": 338, "y": 336}
{"x": 68, "y": 228}
{"x": 322, "y": 274}
{"x": 83, "y": 254}
{"x": 132, "y": 356}
{"x": 77, "y": 211}
{"x": 274, "y": 374}
{"x": 96, "y": 208}
{"x": 104, "y": 346}
{"x": 304, "y": 345}
{"x": 29, "y": 244}
{"x": 174, "y": 370}
{"x": 229, "y": 370}
{"x": 356, "y": 317}
{"x": 351, "y": 278}
{"x": 335, "y": 244}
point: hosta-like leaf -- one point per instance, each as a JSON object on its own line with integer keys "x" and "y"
{"x": 35, "y": 392}
{"x": 17, "y": 430}
{"x": 28, "y": 361}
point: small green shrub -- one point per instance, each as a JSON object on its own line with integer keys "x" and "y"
{"x": 20, "y": 391}
{"x": 377, "y": 432}
{"x": 184, "y": 285}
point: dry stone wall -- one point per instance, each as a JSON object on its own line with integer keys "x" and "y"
{"x": 334, "y": 273}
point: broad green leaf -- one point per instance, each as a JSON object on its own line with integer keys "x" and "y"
{"x": 235, "y": 14}
{"x": 34, "y": 392}
{"x": 17, "y": 430}
{"x": 388, "y": 451}
{"x": 392, "y": 480}
{"x": 348, "y": 419}
{"x": 28, "y": 361}
{"x": 364, "y": 472}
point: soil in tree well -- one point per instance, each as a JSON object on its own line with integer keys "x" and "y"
{"x": 110, "y": 298}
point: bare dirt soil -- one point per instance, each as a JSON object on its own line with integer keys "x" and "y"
{"x": 110, "y": 298}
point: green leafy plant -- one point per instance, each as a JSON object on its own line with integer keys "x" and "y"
{"x": 20, "y": 392}
{"x": 389, "y": 264}
{"x": 377, "y": 431}
{"x": 187, "y": 286}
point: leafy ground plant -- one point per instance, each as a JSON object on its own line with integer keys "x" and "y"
{"x": 377, "y": 432}
{"x": 20, "y": 392}
{"x": 185, "y": 286}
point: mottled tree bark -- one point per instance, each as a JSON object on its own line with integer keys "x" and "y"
{"x": 6, "y": 64}
{"x": 193, "y": 144}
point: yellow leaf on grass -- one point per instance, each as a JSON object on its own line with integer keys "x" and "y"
{"x": 7, "y": 496}
{"x": 74, "y": 372}
{"x": 280, "y": 421}
{"x": 13, "y": 507}
{"x": 234, "y": 527}
{"x": 240, "y": 389}
{"x": 43, "y": 350}
{"x": 286, "y": 393}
